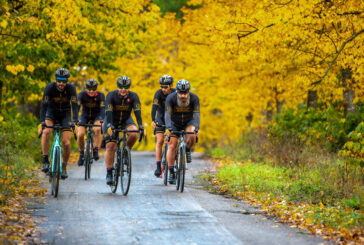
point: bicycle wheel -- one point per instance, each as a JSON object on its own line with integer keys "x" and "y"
{"x": 125, "y": 175}
{"x": 176, "y": 170}
{"x": 116, "y": 172}
{"x": 182, "y": 169}
{"x": 87, "y": 159}
{"x": 56, "y": 174}
{"x": 165, "y": 165}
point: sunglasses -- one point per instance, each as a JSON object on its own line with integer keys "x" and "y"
{"x": 61, "y": 80}
{"x": 123, "y": 87}
{"x": 92, "y": 88}
{"x": 166, "y": 86}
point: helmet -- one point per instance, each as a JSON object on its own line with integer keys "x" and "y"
{"x": 62, "y": 74}
{"x": 91, "y": 83}
{"x": 123, "y": 81}
{"x": 183, "y": 86}
{"x": 166, "y": 80}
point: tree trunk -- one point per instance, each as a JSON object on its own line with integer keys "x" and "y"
{"x": 312, "y": 98}
{"x": 348, "y": 95}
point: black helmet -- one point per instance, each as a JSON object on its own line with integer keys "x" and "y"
{"x": 62, "y": 74}
{"x": 91, "y": 83}
{"x": 183, "y": 86}
{"x": 166, "y": 80}
{"x": 123, "y": 81}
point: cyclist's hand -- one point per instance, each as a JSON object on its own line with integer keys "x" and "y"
{"x": 142, "y": 130}
{"x": 40, "y": 127}
{"x": 170, "y": 132}
{"x": 196, "y": 134}
{"x": 154, "y": 125}
{"x": 110, "y": 129}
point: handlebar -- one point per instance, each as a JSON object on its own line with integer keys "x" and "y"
{"x": 59, "y": 127}
{"x": 130, "y": 131}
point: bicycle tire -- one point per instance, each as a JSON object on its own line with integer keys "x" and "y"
{"x": 182, "y": 169}
{"x": 57, "y": 171}
{"x": 87, "y": 159}
{"x": 126, "y": 169}
{"x": 116, "y": 172}
{"x": 177, "y": 169}
{"x": 165, "y": 165}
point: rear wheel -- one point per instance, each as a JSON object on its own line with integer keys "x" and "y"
{"x": 125, "y": 175}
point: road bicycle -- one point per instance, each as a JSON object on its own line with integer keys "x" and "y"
{"x": 180, "y": 163}
{"x": 88, "y": 153}
{"x": 55, "y": 166}
{"x": 122, "y": 165}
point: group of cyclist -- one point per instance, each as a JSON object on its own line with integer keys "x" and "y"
{"x": 174, "y": 109}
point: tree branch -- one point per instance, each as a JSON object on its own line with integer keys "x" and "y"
{"x": 337, "y": 54}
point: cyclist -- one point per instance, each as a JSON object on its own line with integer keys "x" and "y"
{"x": 119, "y": 104}
{"x": 182, "y": 113}
{"x": 59, "y": 102}
{"x": 93, "y": 110}
{"x": 158, "y": 110}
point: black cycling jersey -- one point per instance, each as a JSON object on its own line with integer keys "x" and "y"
{"x": 181, "y": 116}
{"x": 118, "y": 108}
{"x": 57, "y": 102}
{"x": 92, "y": 107}
{"x": 158, "y": 107}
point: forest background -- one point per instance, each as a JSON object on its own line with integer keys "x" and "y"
{"x": 280, "y": 84}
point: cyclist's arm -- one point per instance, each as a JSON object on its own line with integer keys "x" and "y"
{"x": 137, "y": 111}
{"x": 168, "y": 113}
{"x": 196, "y": 113}
{"x": 109, "y": 108}
{"x": 101, "y": 114}
{"x": 44, "y": 106}
{"x": 74, "y": 104}
{"x": 154, "y": 106}
{"x": 79, "y": 101}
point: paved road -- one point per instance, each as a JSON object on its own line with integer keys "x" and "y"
{"x": 86, "y": 212}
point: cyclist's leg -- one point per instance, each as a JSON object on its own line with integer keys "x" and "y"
{"x": 81, "y": 143}
{"x": 158, "y": 151}
{"x": 191, "y": 138}
{"x": 109, "y": 157}
{"x": 66, "y": 143}
{"x": 171, "y": 153}
{"x": 46, "y": 136}
{"x": 132, "y": 137}
{"x": 98, "y": 135}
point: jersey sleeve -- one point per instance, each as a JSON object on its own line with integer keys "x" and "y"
{"x": 101, "y": 114}
{"x": 168, "y": 112}
{"x": 74, "y": 104}
{"x": 44, "y": 105}
{"x": 137, "y": 110}
{"x": 196, "y": 113}
{"x": 109, "y": 108}
{"x": 155, "y": 106}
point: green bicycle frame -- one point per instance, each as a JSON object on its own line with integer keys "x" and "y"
{"x": 55, "y": 145}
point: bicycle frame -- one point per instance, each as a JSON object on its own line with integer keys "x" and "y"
{"x": 56, "y": 143}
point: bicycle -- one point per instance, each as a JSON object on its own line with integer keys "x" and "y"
{"x": 88, "y": 159}
{"x": 55, "y": 166}
{"x": 180, "y": 163}
{"x": 164, "y": 163}
{"x": 122, "y": 166}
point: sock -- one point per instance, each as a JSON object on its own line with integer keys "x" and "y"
{"x": 188, "y": 149}
{"x": 81, "y": 153}
{"x": 109, "y": 169}
{"x": 159, "y": 164}
{"x": 96, "y": 148}
{"x": 171, "y": 169}
{"x": 45, "y": 158}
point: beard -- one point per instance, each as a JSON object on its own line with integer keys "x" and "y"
{"x": 183, "y": 102}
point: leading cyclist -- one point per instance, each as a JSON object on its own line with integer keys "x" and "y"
{"x": 59, "y": 102}
{"x": 119, "y": 104}
{"x": 182, "y": 113}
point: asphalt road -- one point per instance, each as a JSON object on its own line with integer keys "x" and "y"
{"x": 86, "y": 212}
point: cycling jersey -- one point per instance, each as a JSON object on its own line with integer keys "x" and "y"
{"x": 181, "y": 117}
{"x": 158, "y": 107}
{"x": 59, "y": 104}
{"x": 118, "y": 108}
{"x": 93, "y": 107}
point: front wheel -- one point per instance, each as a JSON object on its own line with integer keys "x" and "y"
{"x": 125, "y": 174}
{"x": 116, "y": 172}
{"x": 56, "y": 171}
{"x": 88, "y": 159}
{"x": 165, "y": 165}
{"x": 182, "y": 169}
